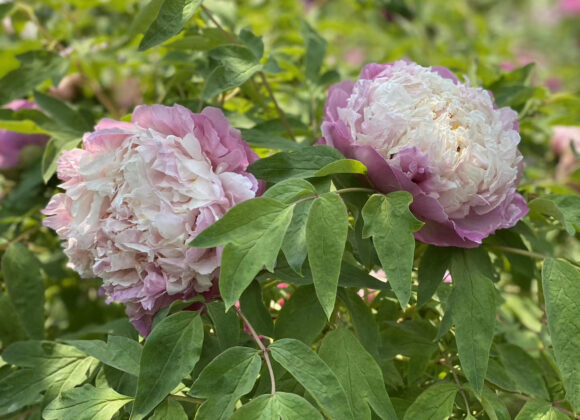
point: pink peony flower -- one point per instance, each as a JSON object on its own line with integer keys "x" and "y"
{"x": 12, "y": 143}
{"x": 570, "y": 7}
{"x": 562, "y": 140}
{"x": 139, "y": 192}
{"x": 419, "y": 129}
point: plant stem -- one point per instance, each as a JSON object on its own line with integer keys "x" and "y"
{"x": 281, "y": 113}
{"x": 234, "y": 39}
{"x": 20, "y": 237}
{"x": 526, "y": 253}
{"x": 217, "y": 24}
{"x": 354, "y": 189}
{"x": 553, "y": 404}
{"x": 517, "y": 251}
{"x": 449, "y": 364}
{"x": 262, "y": 348}
{"x": 29, "y": 10}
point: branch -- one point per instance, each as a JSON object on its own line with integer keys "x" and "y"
{"x": 261, "y": 346}
{"x": 448, "y": 363}
{"x": 234, "y": 39}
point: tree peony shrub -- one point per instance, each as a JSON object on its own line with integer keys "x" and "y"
{"x": 139, "y": 192}
{"x": 11, "y": 143}
{"x": 419, "y": 129}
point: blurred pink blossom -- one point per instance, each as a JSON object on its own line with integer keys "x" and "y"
{"x": 12, "y": 143}
{"x": 563, "y": 139}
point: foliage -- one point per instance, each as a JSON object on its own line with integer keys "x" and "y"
{"x": 305, "y": 327}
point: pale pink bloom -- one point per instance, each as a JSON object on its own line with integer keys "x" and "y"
{"x": 68, "y": 87}
{"x": 139, "y": 192}
{"x": 354, "y": 57}
{"x": 12, "y": 143}
{"x": 421, "y": 130}
{"x": 447, "y": 277}
{"x": 562, "y": 141}
{"x": 570, "y": 7}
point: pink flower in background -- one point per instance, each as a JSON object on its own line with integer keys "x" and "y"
{"x": 562, "y": 140}
{"x": 12, "y": 143}
{"x": 447, "y": 277}
{"x": 419, "y": 129}
{"x": 139, "y": 192}
{"x": 570, "y": 7}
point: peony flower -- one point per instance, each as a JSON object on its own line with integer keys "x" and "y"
{"x": 419, "y": 129}
{"x": 570, "y": 7}
{"x": 562, "y": 140}
{"x": 139, "y": 192}
{"x": 12, "y": 143}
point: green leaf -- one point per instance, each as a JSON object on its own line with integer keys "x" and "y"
{"x": 119, "y": 352}
{"x": 35, "y": 68}
{"x": 281, "y": 405}
{"x": 253, "y": 42}
{"x": 564, "y": 208}
{"x": 172, "y": 17}
{"x": 301, "y": 317}
{"x": 144, "y": 18}
{"x": 560, "y": 281}
{"x": 493, "y": 406}
{"x": 86, "y": 402}
{"x": 363, "y": 321}
{"x": 524, "y": 370}
{"x": 11, "y": 328}
{"x": 253, "y": 231}
{"x": 169, "y": 410}
{"x": 6, "y": 8}
{"x": 21, "y": 272}
{"x": 52, "y": 151}
{"x": 226, "y": 324}
{"x": 314, "y": 375}
{"x": 252, "y": 305}
{"x": 258, "y": 138}
{"x": 387, "y": 217}
{"x": 315, "y": 51}
{"x": 46, "y": 365}
{"x": 245, "y": 222}
{"x": 294, "y": 243}
{"x": 343, "y": 166}
{"x": 540, "y": 410}
{"x": 169, "y": 355}
{"x": 228, "y": 377}
{"x": 238, "y": 65}
{"x": 473, "y": 313}
{"x": 350, "y": 276}
{"x": 39, "y": 354}
{"x": 62, "y": 113}
{"x": 326, "y": 232}
{"x": 241, "y": 263}
{"x": 435, "y": 403}
{"x": 289, "y": 189}
{"x": 302, "y": 163}
{"x": 434, "y": 263}
{"x": 359, "y": 374}
{"x": 176, "y": 306}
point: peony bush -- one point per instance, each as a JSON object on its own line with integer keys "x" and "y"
{"x": 317, "y": 210}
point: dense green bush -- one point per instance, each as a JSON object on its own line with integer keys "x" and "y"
{"x": 312, "y": 329}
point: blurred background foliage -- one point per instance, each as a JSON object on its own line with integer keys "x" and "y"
{"x": 492, "y": 43}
